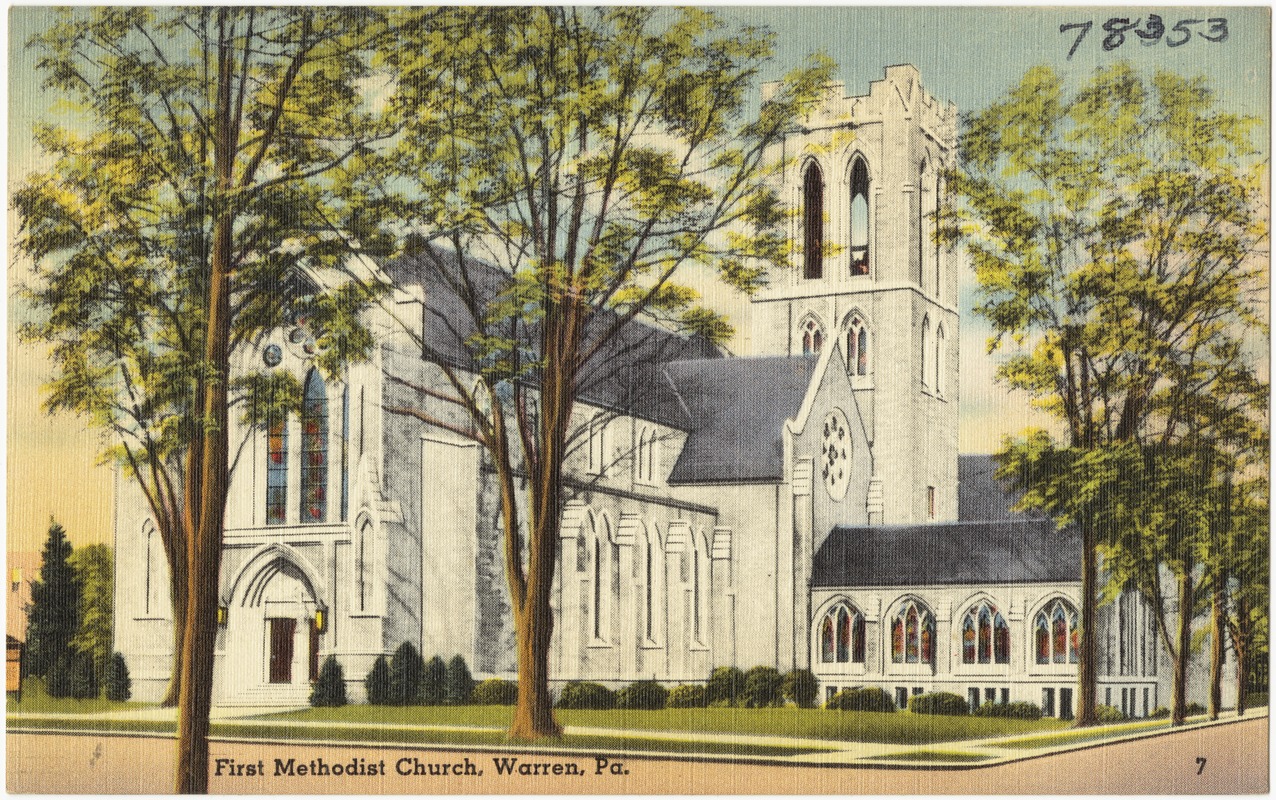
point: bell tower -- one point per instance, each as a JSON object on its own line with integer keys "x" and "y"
{"x": 864, "y": 174}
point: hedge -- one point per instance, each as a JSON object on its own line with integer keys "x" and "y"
{"x": 944, "y": 704}
{"x": 800, "y": 686}
{"x": 433, "y": 678}
{"x": 1106, "y": 715}
{"x": 687, "y": 695}
{"x": 762, "y": 687}
{"x": 1020, "y": 709}
{"x": 495, "y": 692}
{"x": 118, "y": 685}
{"x": 642, "y": 695}
{"x": 725, "y": 686}
{"x": 406, "y": 668}
{"x": 868, "y": 698}
{"x": 458, "y": 683}
{"x": 586, "y": 695}
{"x": 377, "y": 683}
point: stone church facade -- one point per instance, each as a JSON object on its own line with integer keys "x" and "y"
{"x": 802, "y": 505}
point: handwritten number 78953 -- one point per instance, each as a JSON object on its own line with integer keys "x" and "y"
{"x": 1152, "y": 32}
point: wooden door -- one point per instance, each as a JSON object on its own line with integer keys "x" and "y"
{"x": 281, "y": 641}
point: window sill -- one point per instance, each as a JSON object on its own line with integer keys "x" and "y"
{"x": 599, "y": 644}
{"x": 699, "y": 648}
{"x": 651, "y": 645}
{"x": 152, "y": 618}
{"x": 365, "y": 615}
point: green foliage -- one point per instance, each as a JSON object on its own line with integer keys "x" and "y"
{"x": 377, "y": 684}
{"x": 330, "y": 689}
{"x": 725, "y": 685}
{"x": 405, "y": 675}
{"x": 642, "y": 695}
{"x": 762, "y": 687}
{"x": 1107, "y": 715}
{"x": 1020, "y": 709}
{"x": 586, "y": 695}
{"x": 118, "y": 685}
{"x": 801, "y": 687}
{"x": 458, "y": 683}
{"x": 58, "y": 679}
{"x": 1255, "y": 699}
{"x": 868, "y": 698}
{"x": 53, "y": 618}
{"x": 84, "y": 683}
{"x": 1160, "y": 712}
{"x": 940, "y": 703}
{"x": 686, "y": 695}
{"x": 433, "y": 682}
{"x": 495, "y": 692}
{"x": 94, "y": 572}
{"x": 1195, "y": 709}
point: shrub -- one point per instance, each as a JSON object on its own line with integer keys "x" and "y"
{"x": 118, "y": 685}
{"x": 1020, "y": 709}
{"x": 1106, "y": 715}
{"x": 330, "y": 689}
{"x": 583, "y": 694}
{"x": 726, "y": 685}
{"x": 458, "y": 684}
{"x": 643, "y": 696}
{"x": 405, "y": 675}
{"x": 1195, "y": 708}
{"x": 58, "y": 680}
{"x": 945, "y": 704}
{"x": 1255, "y": 699}
{"x": 83, "y": 676}
{"x": 688, "y": 695}
{"x": 495, "y": 692}
{"x": 433, "y": 680}
{"x": 868, "y": 698}
{"x": 762, "y": 687}
{"x": 377, "y": 683}
{"x": 800, "y": 686}
{"x": 1160, "y": 712}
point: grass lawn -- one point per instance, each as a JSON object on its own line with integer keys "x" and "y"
{"x": 1084, "y": 735}
{"x": 897, "y": 728}
{"x": 37, "y": 701}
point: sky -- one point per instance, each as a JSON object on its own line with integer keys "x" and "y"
{"x": 966, "y": 55}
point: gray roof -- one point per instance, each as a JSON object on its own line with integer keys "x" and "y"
{"x": 981, "y": 497}
{"x": 737, "y": 408}
{"x": 957, "y": 553}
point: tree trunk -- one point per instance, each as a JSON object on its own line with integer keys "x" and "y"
{"x": 177, "y": 594}
{"x": 1184, "y": 655}
{"x": 1086, "y": 667}
{"x": 1240, "y": 643}
{"x": 534, "y": 713}
{"x": 1217, "y": 651}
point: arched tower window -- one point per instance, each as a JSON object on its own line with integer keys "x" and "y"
{"x": 842, "y": 635}
{"x": 813, "y": 221}
{"x": 939, "y": 359}
{"x": 985, "y": 636}
{"x": 364, "y": 555}
{"x": 913, "y": 635}
{"x": 812, "y": 337}
{"x": 859, "y": 218}
{"x": 1056, "y": 633}
{"x": 925, "y": 351}
{"x": 314, "y": 450}
{"x": 276, "y": 468}
{"x": 857, "y": 346}
{"x": 926, "y": 226}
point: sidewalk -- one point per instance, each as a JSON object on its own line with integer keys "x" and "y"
{"x": 961, "y": 754}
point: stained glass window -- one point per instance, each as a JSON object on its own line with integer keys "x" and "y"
{"x": 277, "y": 469}
{"x": 842, "y": 635}
{"x": 1057, "y": 633}
{"x": 913, "y": 635}
{"x": 314, "y": 450}
{"x": 985, "y": 636}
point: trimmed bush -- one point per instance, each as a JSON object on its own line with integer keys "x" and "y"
{"x": 57, "y": 682}
{"x": 458, "y": 684}
{"x": 725, "y": 687}
{"x": 1106, "y": 715}
{"x": 330, "y": 689}
{"x": 1160, "y": 712}
{"x": 83, "y": 677}
{"x": 405, "y": 675}
{"x": 800, "y": 686}
{"x": 944, "y": 704}
{"x": 433, "y": 681}
{"x": 868, "y": 698}
{"x": 118, "y": 686}
{"x": 1255, "y": 699}
{"x": 495, "y": 692}
{"x": 586, "y": 695}
{"x": 1195, "y": 708}
{"x": 642, "y": 696}
{"x": 762, "y": 687}
{"x": 377, "y": 683}
{"x": 687, "y": 695}
{"x": 1020, "y": 709}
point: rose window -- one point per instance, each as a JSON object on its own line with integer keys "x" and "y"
{"x": 835, "y": 454}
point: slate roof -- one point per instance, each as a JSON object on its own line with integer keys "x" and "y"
{"x": 737, "y": 408}
{"x": 981, "y": 497}
{"x": 1006, "y": 551}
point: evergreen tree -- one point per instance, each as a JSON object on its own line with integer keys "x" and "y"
{"x": 53, "y": 614}
{"x": 118, "y": 686}
{"x": 330, "y": 689}
{"x": 83, "y": 676}
{"x": 94, "y": 569}
{"x": 377, "y": 683}
{"x": 432, "y": 683}
{"x": 58, "y": 677}
{"x": 458, "y": 684}
{"x": 405, "y": 675}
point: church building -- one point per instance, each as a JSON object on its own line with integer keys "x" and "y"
{"x": 801, "y": 505}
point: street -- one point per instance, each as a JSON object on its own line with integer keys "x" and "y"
{"x": 1226, "y": 759}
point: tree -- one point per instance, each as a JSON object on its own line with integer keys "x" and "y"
{"x": 584, "y": 157}
{"x": 405, "y": 675}
{"x": 1249, "y": 548}
{"x": 193, "y": 204}
{"x": 433, "y": 681}
{"x": 84, "y": 683}
{"x": 95, "y": 572}
{"x": 52, "y": 617}
{"x": 377, "y": 684}
{"x": 330, "y": 689}
{"x": 118, "y": 686}
{"x": 1113, "y": 232}
{"x": 458, "y": 684}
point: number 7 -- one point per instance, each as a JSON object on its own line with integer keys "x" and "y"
{"x": 1085, "y": 28}
{"x": 1200, "y": 764}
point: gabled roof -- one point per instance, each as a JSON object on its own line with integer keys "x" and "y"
{"x": 980, "y": 496}
{"x": 738, "y": 407}
{"x": 1007, "y": 551}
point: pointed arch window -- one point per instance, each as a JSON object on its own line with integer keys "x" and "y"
{"x": 926, "y": 225}
{"x": 940, "y": 345}
{"x": 926, "y": 346}
{"x": 842, "y": 635}
{"x": 985, "y": 636}
{"x": 813, "y": 221}
{"x": 859, "y": 217}
{"x": 857, "y": 347}
{"x": 812, "y": 337}
{"x": 1056, "y": 633}
{"x": 276, "y": 468}
{"x": 913, "y": 635}
{"x": 314, "y": 450}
